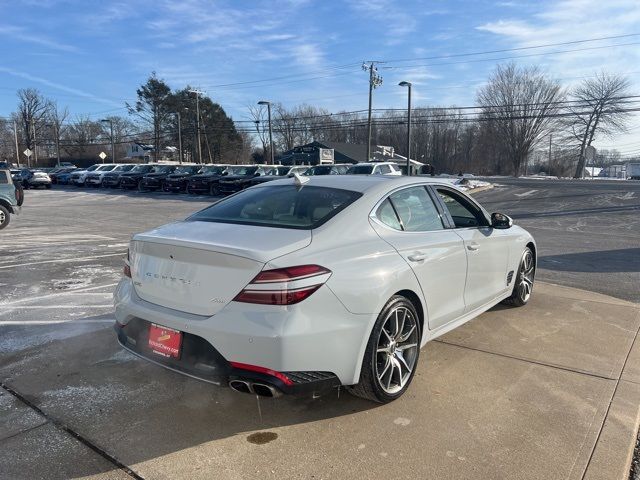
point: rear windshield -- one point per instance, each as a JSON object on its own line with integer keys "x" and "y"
{"x": 360, "y": 170}
{"x": 283, "y": 206}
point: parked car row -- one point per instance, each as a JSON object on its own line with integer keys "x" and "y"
{"x": 213, "y": 180}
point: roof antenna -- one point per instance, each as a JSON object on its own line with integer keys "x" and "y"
{"x": 299, "y": 179}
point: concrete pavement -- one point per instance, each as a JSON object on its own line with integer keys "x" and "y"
{"x": 551, "y": 390}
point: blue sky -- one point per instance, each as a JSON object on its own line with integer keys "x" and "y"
{"x": 91, "y": 56}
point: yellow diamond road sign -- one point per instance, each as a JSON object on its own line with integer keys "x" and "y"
{"x": 102, "y": 155}
{"x": 28, "y": 152}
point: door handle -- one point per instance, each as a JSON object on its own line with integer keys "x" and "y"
{"x": 417, "y": 257}
{"x": 473, "y": 247}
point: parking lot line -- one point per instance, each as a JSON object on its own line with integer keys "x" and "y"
{"x": 85, "y": 291}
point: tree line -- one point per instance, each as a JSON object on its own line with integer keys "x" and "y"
{"x": 523, "y": 121}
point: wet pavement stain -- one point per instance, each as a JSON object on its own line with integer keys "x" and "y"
{"x": 260, "y": 438}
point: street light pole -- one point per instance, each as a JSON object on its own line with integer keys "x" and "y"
{"x": 268, "y": 104}
{"x": 198, "y": 92}
{"x": 179, "y": 138}
{"x": 408, "y": 85}
{"x": 113, "y": 145}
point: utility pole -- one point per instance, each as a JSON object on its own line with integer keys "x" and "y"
{"x": 179, "y": 139}
{"x": 57, "y": 131}
{"x": 550, "y": 137}
{"x": 198, "y": 92}
{"x": 113, "y": 145}
{"x": 35, "y": 145}
{"x": 375, "y": 81}
{"x": 268, "y": 104}
{"x": 15, "y": 136}
{"x": 408, "y": 85}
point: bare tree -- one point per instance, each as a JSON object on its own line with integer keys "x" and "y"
{"x": 521, "y": 102}
{"x": 33, "y": 109}
{"x": 259, "y": 116}
{"x": 56, "y": 120}
{"x": 599, "y": 109}
{"x": 83, "y": 137}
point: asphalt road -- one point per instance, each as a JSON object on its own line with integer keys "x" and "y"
{"x": 587, "y": 232}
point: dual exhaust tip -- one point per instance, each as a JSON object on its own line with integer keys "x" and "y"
{"x": 260, "y": 389}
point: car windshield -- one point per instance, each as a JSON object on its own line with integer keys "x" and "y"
{"x": 123, "y": 168}
{"x": 280, "y": 171}
{"x": 141, "y": 169}
{"x": 243, "y": 170}
{"x": 212, "y": 169}
{"x": 360, "y": 170}
{"x": 92, "y": 168}
{"x": 282, "y": 206}
{"x": 105, "y": 168}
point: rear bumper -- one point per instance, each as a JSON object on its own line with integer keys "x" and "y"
{"x": 316, "y": 343}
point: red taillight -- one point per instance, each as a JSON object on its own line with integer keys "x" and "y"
{"x": 267, "y": 371}
{"x": 284, "y": 286}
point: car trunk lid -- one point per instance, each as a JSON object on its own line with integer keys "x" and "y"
{"x": 199, "y": 267}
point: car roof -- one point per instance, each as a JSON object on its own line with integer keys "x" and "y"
{"x": 363, "y": 183}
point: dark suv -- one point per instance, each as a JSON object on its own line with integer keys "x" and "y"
{"x": 131, "y": 178}
{"x": 206, "y": 181}
{"x": 240, "y": 177}
{"x": 154, "y": 180}
{"x": 177, "y": 181}
{"x": 112, "y": 179}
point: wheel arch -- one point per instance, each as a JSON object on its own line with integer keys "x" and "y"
{"x": 6, "y": 205}
{"x": 417, "y": 304}
{"x": 532, "y": 246}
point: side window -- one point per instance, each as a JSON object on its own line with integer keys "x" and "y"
{"x": 3, "y": 177}
{"x": 384, "y": 169}
{"x": 387, "y": 215}
{"x": 463, "y": 212}
{"x": 416, "y": 210}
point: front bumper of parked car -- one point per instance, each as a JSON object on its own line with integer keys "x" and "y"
{"x": 316, "y": 344}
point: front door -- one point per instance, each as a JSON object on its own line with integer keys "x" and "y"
{"x": 486, "y": 249}
{"x": 409, "y": 221}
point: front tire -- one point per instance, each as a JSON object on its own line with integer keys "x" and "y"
{"x": 4, "y": 217}
{"x": 392, "y": 353}
{"x": 523, "y": 286}
{"x": 214, "y": 191}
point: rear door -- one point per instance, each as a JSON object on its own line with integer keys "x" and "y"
{"x": 409, "y": 220}
{"x": 486, "y": 248}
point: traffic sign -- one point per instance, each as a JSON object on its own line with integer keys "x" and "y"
{"x": 102, "y": 155}
{"x": 28, "y": 153}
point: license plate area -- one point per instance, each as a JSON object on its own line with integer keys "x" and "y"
{"x": 165, "y": 341}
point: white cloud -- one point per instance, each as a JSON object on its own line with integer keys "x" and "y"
{"x": 18, "y": 33}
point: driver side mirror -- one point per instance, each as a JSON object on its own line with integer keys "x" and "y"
{"x": 501, "y": 221}
{"x": 257, "y": 174}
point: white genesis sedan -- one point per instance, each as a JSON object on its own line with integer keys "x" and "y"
{"x": 303, "y": 284}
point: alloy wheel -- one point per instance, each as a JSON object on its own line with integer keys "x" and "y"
{"x": 526, "y": 274}
{"x": 397, "y": 350}
{"x": 3, "y": 217}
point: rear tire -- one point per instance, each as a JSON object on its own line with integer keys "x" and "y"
{"x": 523, "y": 286}
{"x": 4, "y": 217}
{"x": 19, "y": 194}
{"x": 392, "y": 353}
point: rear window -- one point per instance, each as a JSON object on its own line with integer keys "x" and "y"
{"x": 283, "y": 206}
